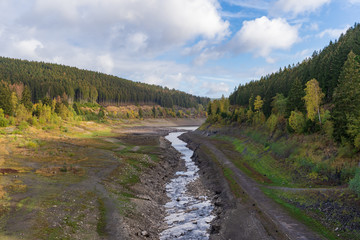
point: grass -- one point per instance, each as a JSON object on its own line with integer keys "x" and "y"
{"x": 256, "y": 162}
{"x": 228, "y": 174}
{"x": 300, "y": 215}
{"x": 85, "y": 147}
{"x": 235, "y": 188}
{"x": 101, "y": 224}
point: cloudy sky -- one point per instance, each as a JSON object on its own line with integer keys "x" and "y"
{"x": 204, "y": 47}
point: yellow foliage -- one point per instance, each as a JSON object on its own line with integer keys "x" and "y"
{"x": 258, "y": 103}
{"x": 313, "y": 98}
{"x": 297, "y": 121}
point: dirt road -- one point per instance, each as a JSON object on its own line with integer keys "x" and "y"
{"x": 255, "y": 216}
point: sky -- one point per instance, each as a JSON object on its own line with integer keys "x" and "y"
{"x": 203, "y": 47}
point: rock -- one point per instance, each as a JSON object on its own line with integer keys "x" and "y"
{"x": 145, "y": 234}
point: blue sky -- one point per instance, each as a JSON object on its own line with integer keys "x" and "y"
{"x": 204, "y": 47}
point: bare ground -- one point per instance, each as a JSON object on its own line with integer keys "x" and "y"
{"x": 92, "y": 188}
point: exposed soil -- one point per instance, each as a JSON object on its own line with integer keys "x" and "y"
{"x": 86, "y": 188}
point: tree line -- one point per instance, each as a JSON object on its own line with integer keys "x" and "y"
{"x": 52, "y": 80}
{"x": 322, "y": 92}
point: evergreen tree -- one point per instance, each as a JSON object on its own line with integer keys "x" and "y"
{"x": 5, "y": 98}
{"x": 295, "y": 98}
{"x": 26, "y": 98}
{"x": 346, "y": 99}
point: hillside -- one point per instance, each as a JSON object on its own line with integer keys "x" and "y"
{"x": 296, "y": 133}
{"x": 52, "y": 80}
{"x": 325, "y": 66}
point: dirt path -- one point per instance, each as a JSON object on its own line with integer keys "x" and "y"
{"x": 285, "y": 224}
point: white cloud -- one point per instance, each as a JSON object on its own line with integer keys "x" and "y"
{"x": 262, "y": 35}
{"x": 313, "y": 27}
{"x": 215, "y": 89}
{"x": 333, "y": 32}
{"x": 28, "y": 48}
{"x": 206, "y": 55}
{"x": 118, "y": 37}
{"x": 154, "y": 25}
{"x": 299, "y": 6}
{"x": 105, "y": 63}
{"x": 354, "y": 1}
{"x": 255, "y": 4}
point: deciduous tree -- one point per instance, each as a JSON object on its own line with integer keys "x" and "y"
{"x": 313, "y": 98}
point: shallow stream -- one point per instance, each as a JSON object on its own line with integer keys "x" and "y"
{"x": 188, "y": 217}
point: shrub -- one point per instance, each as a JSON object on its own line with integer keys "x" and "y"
{"x": 297, "y": 121}
{"x": 11, "y": 121}
{"x": 33, "y": 121}
{"x": 31, "y": 144}
{"x": 3, "y": 122}
{"x": 354, "y": 183}
{"x": 23, "y": 125}
{"x": 272, "y": 122}
{"x": 357, "y": 142}
{"x": 259, "y": 119}
{"x": 328, "y": 128}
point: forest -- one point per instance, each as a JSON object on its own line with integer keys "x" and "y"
{"x": 53, "y": 80}
{"x": 333, "y": 92}
{"x": 317, "y": 99}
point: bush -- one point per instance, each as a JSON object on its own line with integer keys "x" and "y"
{"x": 259, "y": 118}
{"x": 32, "y": 144}
{"x": 328, "y": 128}
{"x": 357, "y": 142}
{"x": 3, "y": 122}
{"x": 297, "y": 121}
{"x": 354, "y": 183}
{"x": 23, "y": 125}
{"x": 271, "y": 123}
{"x": 11, "y": 121}
{"x": 33, "y": 121}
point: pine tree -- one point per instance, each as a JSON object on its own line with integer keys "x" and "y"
{"x": 26, "y": 98}
{"x": 346, "y": 99}
{"x": 5, "y": 98}
{"x": 295, "y": 97}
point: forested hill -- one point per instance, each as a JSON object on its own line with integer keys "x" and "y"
{"x": 325, "y": 66}
{"x": 52, "y": 80}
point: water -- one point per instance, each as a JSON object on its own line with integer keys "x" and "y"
{"x": 188, "y": 217}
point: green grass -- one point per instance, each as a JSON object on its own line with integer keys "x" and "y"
{"x": 300, "y": 215}
{"x": 257, "y": 162}
{"x": 101, "y": 224}
{"x": 228, "y": 174}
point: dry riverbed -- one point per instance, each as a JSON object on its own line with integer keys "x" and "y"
{"x": 86, "y": 181}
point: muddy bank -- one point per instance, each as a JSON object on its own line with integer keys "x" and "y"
{"x": 145, "y": 219}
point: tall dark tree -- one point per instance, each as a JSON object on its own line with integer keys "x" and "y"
{"x": 346, "y": 98}
{"x": 295, "y": 97}
{"x": 26, "y": 98}
{"x": 5, "y": 98}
